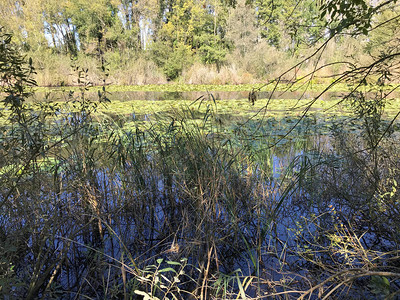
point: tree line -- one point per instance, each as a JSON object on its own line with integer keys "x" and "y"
{"x": 175, "y": 34}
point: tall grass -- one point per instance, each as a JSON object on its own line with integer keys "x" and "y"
{"x": 175, "y": 207}
{"x": 101, "y": 195}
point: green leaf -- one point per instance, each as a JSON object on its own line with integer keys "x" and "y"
{"x": 242, "y": 292}
{"x": 160, "y": 260}
{"x": 167, "y": 270}
{"x": 173, "y": 263}
{"x": 380, "y": 285}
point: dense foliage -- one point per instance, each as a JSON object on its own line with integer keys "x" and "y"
{"x": 174, "y": 35}
{"x": 196, "y": 41}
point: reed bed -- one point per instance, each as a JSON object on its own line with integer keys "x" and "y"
{"x": 178, "y": 207}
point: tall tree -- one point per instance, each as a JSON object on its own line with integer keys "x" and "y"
{"x": 92, "y": 21}
{"x": 137, "y": 17}
{"x": 191, "y": 29}
{"x": 173, "y": 49}
{"x": 24, "y": 20}
{"x": 286, "y": 24}
{"x": 210, "y": 40}
{"x": 58, "y": 26}
{"x": 242, "y": 27}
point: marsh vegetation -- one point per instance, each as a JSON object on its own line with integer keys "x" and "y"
{"x": 286, "y": 191}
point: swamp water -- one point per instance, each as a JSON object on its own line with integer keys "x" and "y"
{"x": 223, "y": 190}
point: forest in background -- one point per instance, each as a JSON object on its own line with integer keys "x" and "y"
{"x": 186, "y": 41}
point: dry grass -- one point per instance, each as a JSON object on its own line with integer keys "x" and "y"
{"x": 136, "y": 71}
{"x": 263, "y": 63}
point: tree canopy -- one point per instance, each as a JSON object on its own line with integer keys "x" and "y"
{"x": 177, "y": 33}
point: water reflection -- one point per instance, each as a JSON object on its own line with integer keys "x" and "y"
{"x": 242, "y": 204}
{"x": 217, "y": 95}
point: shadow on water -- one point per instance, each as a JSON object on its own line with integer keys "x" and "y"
{"x": 111, "y": 200}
